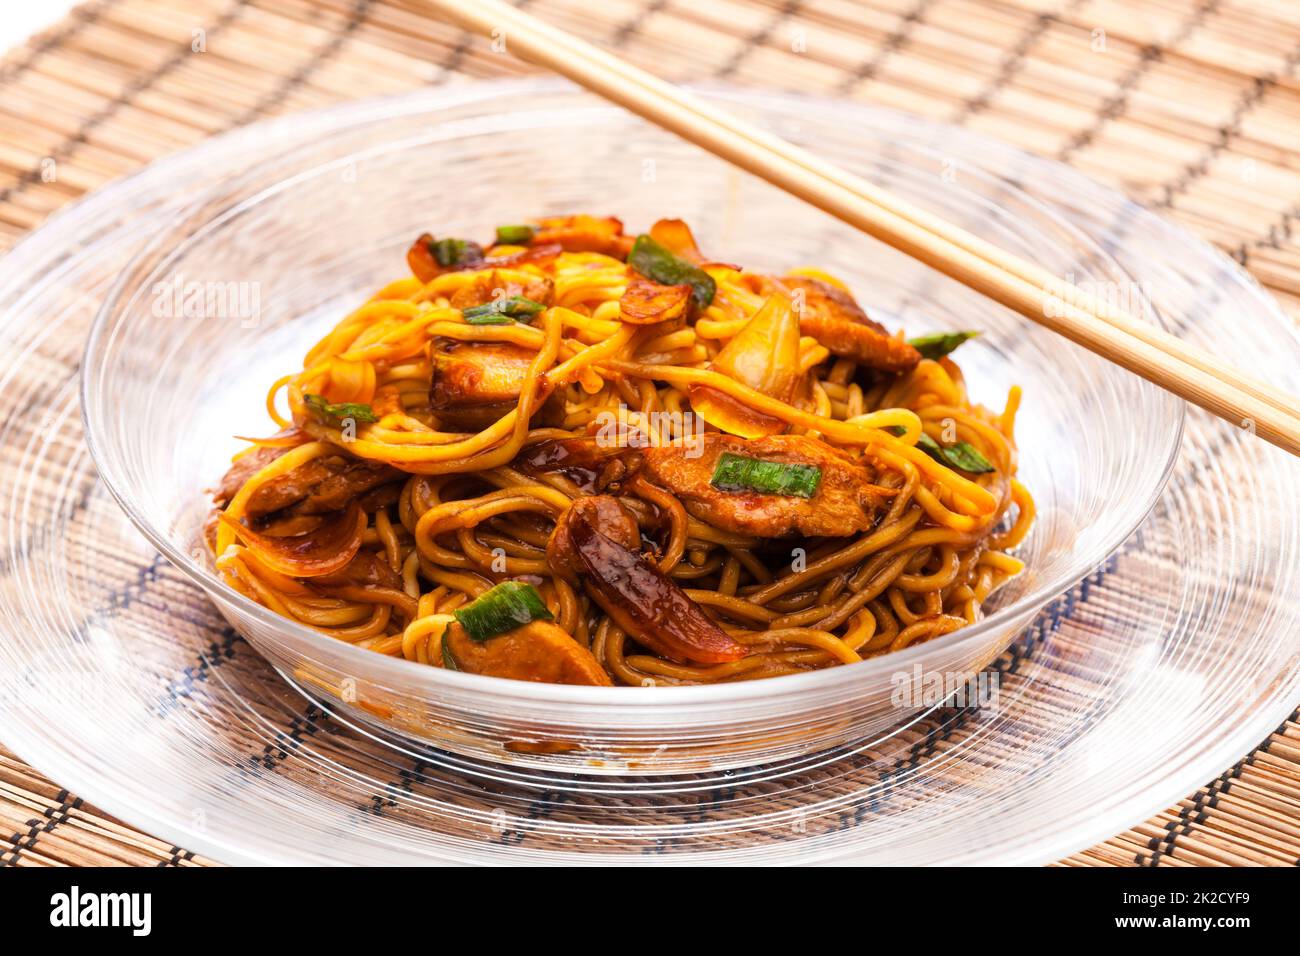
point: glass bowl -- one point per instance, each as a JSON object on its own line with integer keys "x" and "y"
{"x": 245, "y": 278}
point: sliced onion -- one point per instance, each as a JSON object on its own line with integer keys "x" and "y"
{"x": 676, "y": 236}
{"x": 763, "y": 355}
{"x": 290, "y": 437}
{"x": 325, "y": 550}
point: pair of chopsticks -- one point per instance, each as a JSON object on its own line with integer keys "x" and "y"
{"x": 1093, "y": 323}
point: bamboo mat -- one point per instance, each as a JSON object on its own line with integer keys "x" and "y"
{"x": 1190, "y": 106}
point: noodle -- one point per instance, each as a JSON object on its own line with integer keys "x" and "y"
{"x": 477, "y": 446}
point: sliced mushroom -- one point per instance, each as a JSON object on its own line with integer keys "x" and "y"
{"x": 647, "y": 303}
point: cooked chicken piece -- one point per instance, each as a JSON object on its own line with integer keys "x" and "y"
{"x": 585, "y": 234}
{"x": 490, "y": 286}
{"x": 593, "y": 543}
{"x": 474, "y": 384}
{"x": 315, "y": 487}
{"x": 243, "y": 468}
{"x": 836, "y": 321}
{"x": 320, "y": 486}
{"x": 381, "y": 497}
{"x": 539, "y": 651}
{"x": 846, "y": 500}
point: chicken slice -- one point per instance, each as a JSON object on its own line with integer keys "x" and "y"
{"x": 846, "y": 501}
{"x": 315, "y": 487}
{"x": 243, "y": 468}
{"x": 539, "y": 651}
{"x": 834, "y": 319}
{"x": 474, "y": 384}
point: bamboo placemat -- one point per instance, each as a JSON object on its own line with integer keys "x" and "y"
{"x": 1190, "y": 106}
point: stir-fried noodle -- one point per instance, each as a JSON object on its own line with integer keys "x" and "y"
{"x": 581, "y": 457}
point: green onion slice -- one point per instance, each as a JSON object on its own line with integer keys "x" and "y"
{"x": 939, "y": 344}
{"x": 509, "y": 605}
{"x": 738, "y": 473}
{"x": 515, "y": 235}
{"x": 454, "y": 252}
{"x": 502, "y": 311}
{"x": 448, "y": 659}
{"x": 340, "y": 410}
{"x": 658, "y": 263}
{"x": 962, "y": 455}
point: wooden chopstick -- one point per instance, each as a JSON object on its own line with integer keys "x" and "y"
{"x": 668, "y": 93}
{"x": 1110, "y": 332}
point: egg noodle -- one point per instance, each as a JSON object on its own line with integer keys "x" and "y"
{"x": 426, "y": 457}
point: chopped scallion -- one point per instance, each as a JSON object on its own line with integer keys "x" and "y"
{"x": 340, "y": 410}
{"x": 939, "y": 344}
{"x": 454, "y": 252}
{"x": 962, "y": 455}
{"x": 515, "y": 235}
{"x": 738, "y": 473}
{"x": 657, "y": 262}
{"x": 448, "y": 660}
{"x": 509, "y": 605}
{"x": 502, "y": 311}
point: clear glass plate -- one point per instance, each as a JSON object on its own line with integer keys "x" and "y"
{"x": 1161, "y": 668}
